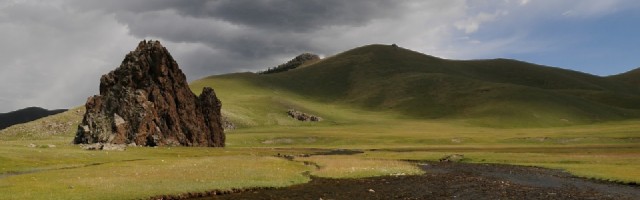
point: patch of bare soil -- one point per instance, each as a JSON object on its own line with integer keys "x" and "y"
{"x": 453, "y": 181}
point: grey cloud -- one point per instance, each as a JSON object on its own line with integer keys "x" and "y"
{"x": 237, "y": 41}
{"x": 63, "y": 46}
{"x": 282, "y": 15}
{"x": 52, "y": 56}
{"x": 298, "y": 15}
{"x": 54, "y": 51}
{"x": 244, "y": 29}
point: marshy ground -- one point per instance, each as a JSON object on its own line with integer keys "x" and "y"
{"x": 453, "y": 181}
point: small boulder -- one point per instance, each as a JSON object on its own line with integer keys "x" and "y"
{"x": 104, "y": 146}
{"x": 114, "y": 147}
{"x": 227, "y": 125}
{"x": 298, "y": 61}
{"x": 300, "y": 116}
{"x": 94, "y": 146}
{"x": 452, "y": 158}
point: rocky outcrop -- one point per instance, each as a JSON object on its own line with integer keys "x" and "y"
{"x": 227, "y": 125}
{"x": 300, "y": 116}
{"x": 296, "y": 62}
{"x": 147, "y": 101}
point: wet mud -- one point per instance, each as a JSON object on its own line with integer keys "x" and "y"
{"x": 452, "y": 181}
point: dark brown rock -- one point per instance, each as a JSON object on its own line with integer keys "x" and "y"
{"x": 147, "y": 101}
{"x": 227, "y": 125}
{"x": 452, "y": 158}
{"x": 300, "y": 116}
{"x": 298, "y": 61}
{"x": 105, "y": 147}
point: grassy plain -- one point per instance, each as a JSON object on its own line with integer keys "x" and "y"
{"x": 388, "y": 134}
{"x": 603, "y": 151}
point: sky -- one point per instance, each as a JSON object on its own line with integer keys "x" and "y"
{"x": 53, "y": 52}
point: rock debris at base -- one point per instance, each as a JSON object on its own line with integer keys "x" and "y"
{"x": 300, "y": 116}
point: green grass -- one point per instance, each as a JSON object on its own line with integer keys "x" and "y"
{"x": 354, "y": 167}
{"x": 550, "y": 121}
{"x": 631, "y": 77}
{"x": 56, "y": 126}
{"x": 393, "y": 104}
{"x": 496, "y": 93}
{"x": 145, "y": 178}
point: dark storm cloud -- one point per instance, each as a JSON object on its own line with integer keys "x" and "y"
{"x": 286, "y": 15}
{"x": 52, "y": 47}
{"x": 240, "y": 41}
{"x": 243, "y": 29}
{"x": 281, "y": 15}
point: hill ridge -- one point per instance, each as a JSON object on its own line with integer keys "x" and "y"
{"x": 25, "y": 115}
{"x": 493, "y": 92}
{"x": 631, "y": 77}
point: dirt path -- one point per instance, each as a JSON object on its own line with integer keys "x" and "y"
{"x": 454, "y": 181}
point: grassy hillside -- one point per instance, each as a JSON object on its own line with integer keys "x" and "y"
{"x": 391, "y": 104}
{"x": 499, "y": 92}
{"x": 55, "y": 126}
{"x": 631, "y": 77}
{"x": 25, "y": 115}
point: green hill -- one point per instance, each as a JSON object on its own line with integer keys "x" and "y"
{"x": 497, "y": 92}
{"x": 631, "y": 77}
{"x": 25, "y": 115}
{"x": 389, "y": 103}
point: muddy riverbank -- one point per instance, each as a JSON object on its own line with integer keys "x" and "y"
{"x": 452, "y": 181}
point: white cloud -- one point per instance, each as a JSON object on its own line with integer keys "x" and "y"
{"x": 591, "y": 8}
{"x": 472, "y": 24}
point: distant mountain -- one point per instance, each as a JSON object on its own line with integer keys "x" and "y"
{"x": 493, "y": 92}
{"x": 25, "y": 115}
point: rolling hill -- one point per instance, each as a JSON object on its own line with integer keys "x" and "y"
{"x": 25, "y": 115}
{"x": 384, "y": 78}
{"x": 386, "y": 104}
{"x": 631, "y": 77}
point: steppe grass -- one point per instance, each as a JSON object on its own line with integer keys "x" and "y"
{"x": 602, "y": 150}
{"x": 145, "y": 178}
{"x": 341, "y": 166}
{"x": 395, "y": 133}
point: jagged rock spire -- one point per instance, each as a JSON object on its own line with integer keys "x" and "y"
{"x": 147, "y": 101}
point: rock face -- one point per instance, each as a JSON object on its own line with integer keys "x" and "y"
{"x": 296, "y": 62}
{"x": 300, "y": 116}
{"x": 147, "y": 101}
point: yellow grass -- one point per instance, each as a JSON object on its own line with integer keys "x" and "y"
{"x": 355, "y": 167}
{"x": 145, "y": 178}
